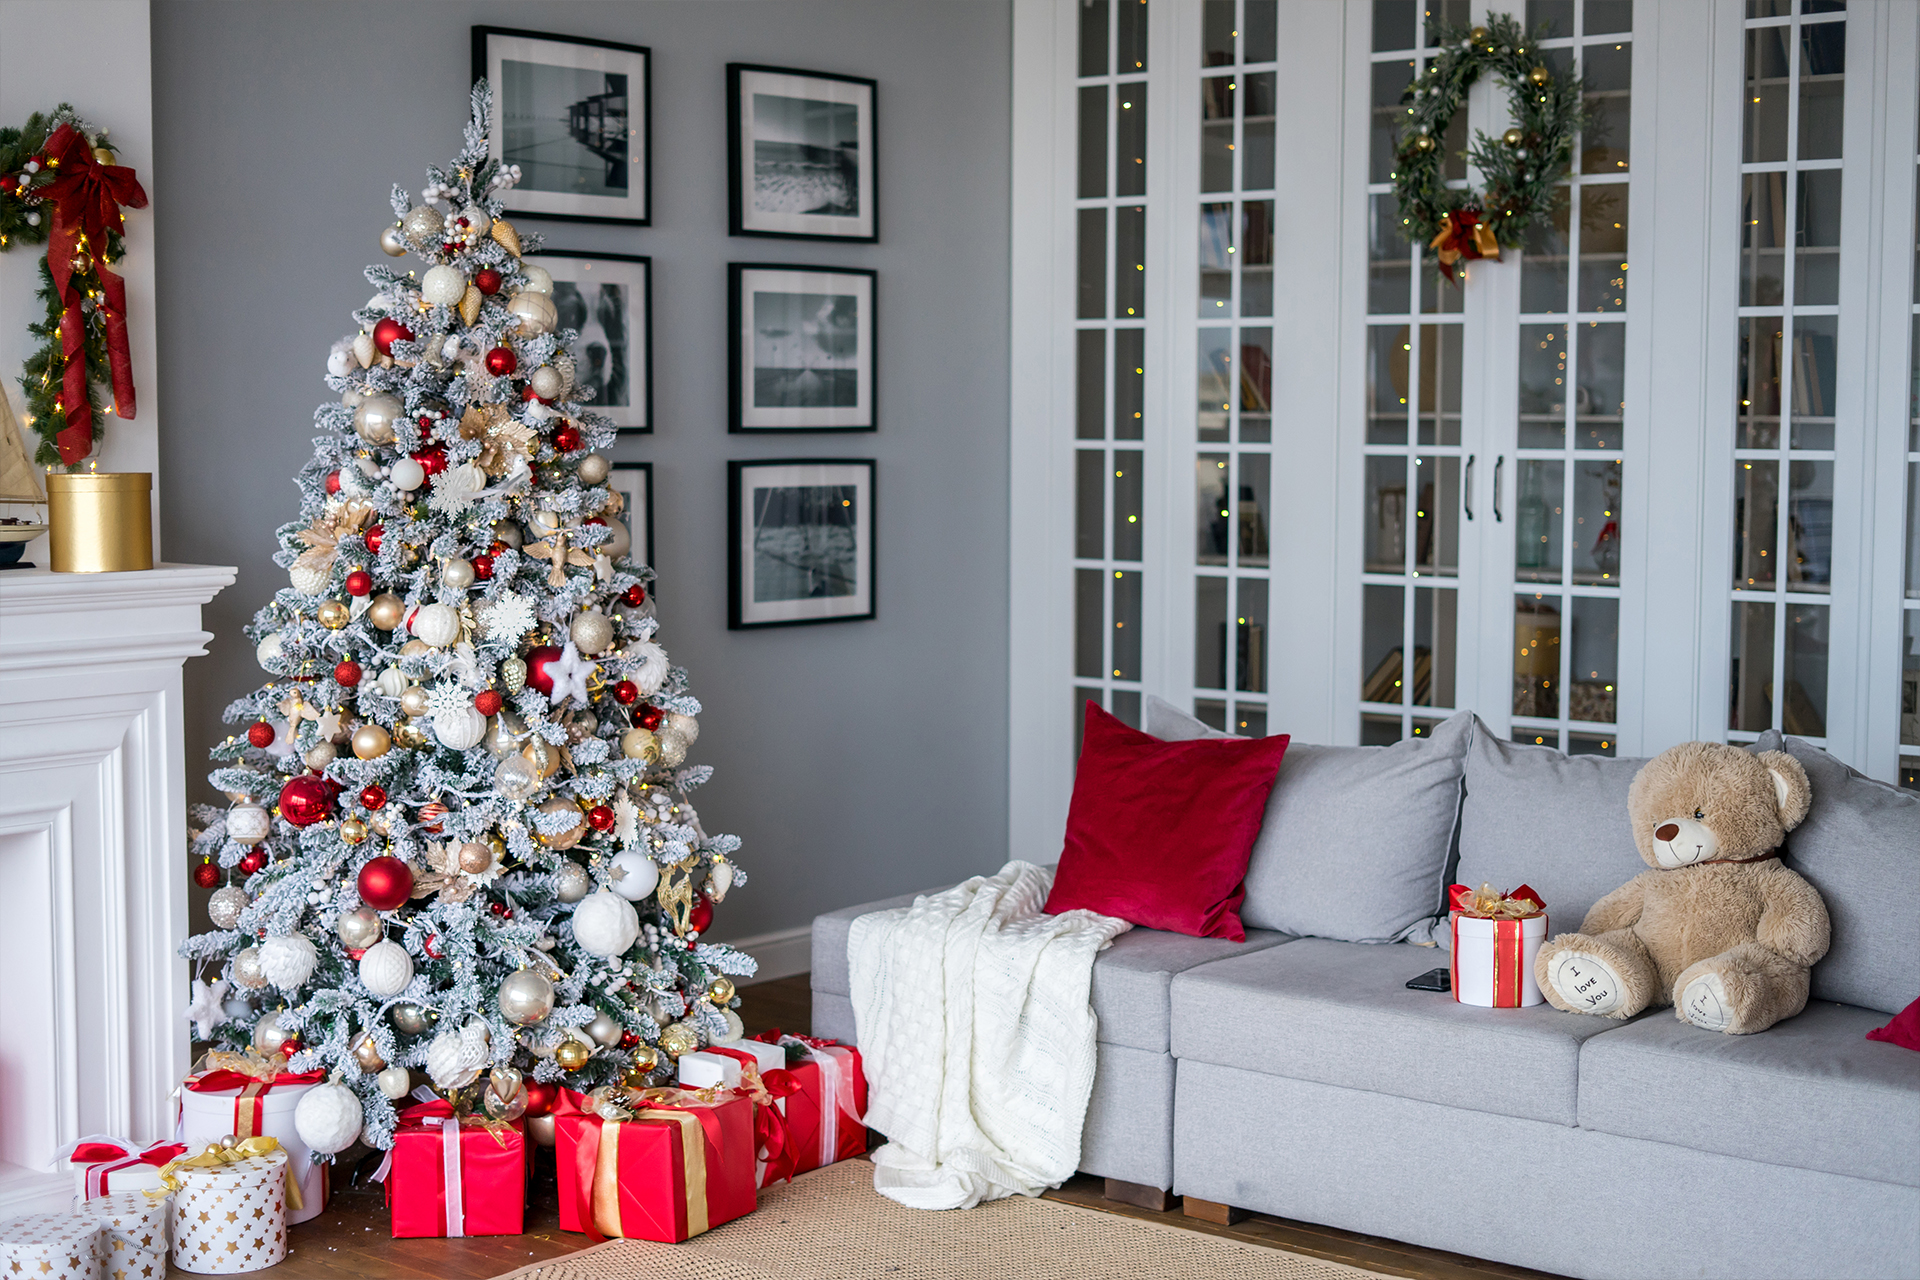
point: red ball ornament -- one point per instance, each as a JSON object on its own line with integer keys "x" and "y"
{"x": 359, "y": 583}
{"x": 702, "y": 914}
{"x": 385, "y": 883}
{"x": 482, "y": 567}
{"x": 628, "y": 1039}
{"x": 431, "y": 946}
{"x": 389, "y": 331}
{"x": 501, "y": 361}
{"x": 497, "y": 908}
{"x": 626, "y": 693}
{"x": 373, "y": 798}
{"x": 650, "y": 718}
{"x": 487, "y": 281}
{"x": 206, "y": 875}
{"x": 600, "y": 818}
{"x": 289, "y": 1046}
{"x": 374, "y": 535}
{"x": 8, "y": 182}
{"x": 541, "y": 1096}
{"x": 528, "y": 394}
{"x": 251, "y": 863}
{"x": 347, "y": 672}
{"x": 333, "y": 482}
{"x": 354, "y": 953}
{"x": 568, "y": 438}
{"x": 306, "y": 800}
{"x": 432, "y": 461}
{"x": 488, "y": 702}
{"x": 636, "y": 596}
{"x": 538, "y": 660}
{"x": 260, "y": 734}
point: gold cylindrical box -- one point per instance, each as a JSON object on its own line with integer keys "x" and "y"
{"x": 101, "y": 522}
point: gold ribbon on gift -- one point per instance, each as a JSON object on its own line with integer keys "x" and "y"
{"x": 693, "y": 1159}
{"x": 217, "y": 1154}
{"x": 1489, "y": 903}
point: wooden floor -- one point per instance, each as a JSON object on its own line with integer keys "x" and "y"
{"x": 351, "y": 1239}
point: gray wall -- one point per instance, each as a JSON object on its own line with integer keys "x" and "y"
{"x": 855, "y": 760}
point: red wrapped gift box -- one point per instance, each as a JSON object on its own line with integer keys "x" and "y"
{"x": 449, "y": 1176}
{"x": 679, "y": 1164}
{"x": 826, "y": 1113}
{"x": 769, "y": 1087}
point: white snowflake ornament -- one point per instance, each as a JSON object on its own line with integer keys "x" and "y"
{"x": 508, "y": 618}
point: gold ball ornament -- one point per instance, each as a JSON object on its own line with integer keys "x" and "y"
{"x": 353, "y": 830}
{"x": 581, "y": 727}
{"x": 333, "y": 614}
{"x": 645, "y": 1058}
{"x": 415, "y": 649}
{"x": 544, "y": 759}
{"x": 546, "y": 382}
{"x": 593, "y": 469}
{"x": 1539, "y": 75}
{"x": 408, "y": 733}
{"x": 1424, "y": 142}
{"x": 569, "y": 837}
{"x": 374, "y": 417}
{"x": 1478, "y": 35}
{"x": 572, "y": 1055}
{"x": 386, "y": 610}
{"x": 414, "y": 701}
{"x": 635, "y": 1076}
{"x": 367, "y": 1054}
{"x": 1513, "y": 137}
{"x": 423, "y": 224}
{"x": 592, "y": 632}
{"x": 475, "y": 858}
{"x": 358, "y": 928}
{"x": 678, "y": 1039}
{"x": 721, "y": 991}
{"x": 370, "y": 742}
{"x": 525, "y": 997}
{"x": 640, "y": 744}
{"x": 506, "y": 1096}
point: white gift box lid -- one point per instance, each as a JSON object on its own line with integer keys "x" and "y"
{"x": 51, "y": 1246}
{"x": 133, "y": 1221}
{"x": 1483, "y": 926}
{"x": 709, "y": 1070}
{"x": 770, "y": 1057}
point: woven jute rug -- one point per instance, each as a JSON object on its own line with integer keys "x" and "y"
{"x": 832, "y": 1225}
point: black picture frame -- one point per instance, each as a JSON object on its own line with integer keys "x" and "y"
{"x": 638, "y": 269}
{"x": 745, "y": 414}
{"x": 744, "y": 216}
{"x": 530, "y": 202}
{"x": 633, "y": 481}
{"x": 799, "y": 606}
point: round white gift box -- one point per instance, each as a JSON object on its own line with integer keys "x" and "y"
{"x": 232, "y": 1217}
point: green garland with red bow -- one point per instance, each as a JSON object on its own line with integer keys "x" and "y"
{"x": 1521, "y": 167}
{"x": 59, "y": 186}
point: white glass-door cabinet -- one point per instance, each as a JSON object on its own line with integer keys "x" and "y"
{"x": 1650, "y": 477}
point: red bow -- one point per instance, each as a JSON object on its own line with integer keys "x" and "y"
{"x": 99, "y": 1152}
{"x": 86, "y": 199}
{"x": 1463, "y": 235}
{"x": 770, "y": 1128}
{"x": 215, "y": 1081}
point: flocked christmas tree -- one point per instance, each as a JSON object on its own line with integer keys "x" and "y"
{"x": 468, "y": 769}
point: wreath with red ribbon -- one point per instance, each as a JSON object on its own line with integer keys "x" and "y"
{"x": 59, "y": 185}
{"x": 1522, "y": 167}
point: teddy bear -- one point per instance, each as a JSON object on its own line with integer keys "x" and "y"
{"x": 1719, "y": 928}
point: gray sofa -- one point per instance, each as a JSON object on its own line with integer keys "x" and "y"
{"x": 1295, "y": 1074}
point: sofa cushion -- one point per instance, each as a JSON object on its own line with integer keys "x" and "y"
{"x": 1556, "y": 822}
{"x": 1860, "y": 847}
{"x": 1340, "y": 1013}
{"x": 1388, "y": 813}
{"x": 1812, "y": 1092}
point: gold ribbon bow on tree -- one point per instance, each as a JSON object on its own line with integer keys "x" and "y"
{"x": 1463, "y": 235}
{"x": 323, "y": 535}
{"x": 505, "y": 438}
{"x": 225, "y": 1152}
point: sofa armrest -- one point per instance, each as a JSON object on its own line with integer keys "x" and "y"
{"x": 830, "y": 941}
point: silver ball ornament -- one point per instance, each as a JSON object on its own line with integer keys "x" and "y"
{"x": 592, "y": 632}
{"x": 571, "y": 882}
{"x": 515, "y": 779}
{"x": 375, "y": 417}
{"x": 410, "y": 1018}
{"x": 604, "y": 1029}
{"x": 393, "y": 242}
{"x": 458, "y": 574}
{"x": 269, "y": 1036}
{"x": 526, "y": 997}
{"x": 246, "y": 969}
{"x": 546, "y": 382}
{"x": 593, "y": 469}
{"x": 320, "y": 755}
{"x": 423, "y": 224}
{"x": 225, "y": 906}
{"x": 359, "y": 928}
{"x": 535, "y": 311}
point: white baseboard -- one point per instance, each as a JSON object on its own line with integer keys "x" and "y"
{"x": 781, "y": 955}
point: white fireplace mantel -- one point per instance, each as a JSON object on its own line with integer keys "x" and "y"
{"x": 93, "y": 860}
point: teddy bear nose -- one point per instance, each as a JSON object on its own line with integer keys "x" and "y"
{"x": 1667, "y": 831}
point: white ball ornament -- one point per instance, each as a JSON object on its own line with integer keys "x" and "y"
{"x": 593, "y": 469}
{"x": 269, "y": 1035}
{"x": 386, "y": 969}
{"x": 546, "y": 382}
{"x": 435, "y": 624}
{"x": 246, "y": 969}
{"x": 443, "y": 286}
{"x": 605, "y": 924}
{"x": 458, "y": 574}
{"x": 268, "y": 651}
{"x": 539, "y": 279}
{"x": 633, "y": 875}
{"x": 459, "y": 728}
{"x": 454, "y": 1058}
{"x": 307, "y": 579}
{"x": 288, "y": 960}
{"x": 328, "y": 1118}
{"x": 535, "y": 311}
{"x": 620, "y": 539}
{"x": 248, "y": 823}
{"x": 394, "y": 1083}
{"x": 407, "y": 475}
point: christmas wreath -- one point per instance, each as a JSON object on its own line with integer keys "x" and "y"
{"x": 1521, "y": 167}
{"x": 59, "y": 186}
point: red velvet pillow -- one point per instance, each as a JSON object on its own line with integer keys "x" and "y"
{"x": 1159, "y": 833}
{"x": 1904, "y": 1030}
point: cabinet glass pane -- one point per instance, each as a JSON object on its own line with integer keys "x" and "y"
{"x": 1813, "y": 380}
{"x": 1823, "y": 65}
{"x": 1539, "y": 485}
{"x": 1591, "y": 744}
{"x": 1250, "y": 720}
{"x": 1217, "y": 29}
{"x": 1603, "y": 248}
{"x": 1132, "y": 41}
{"x": 1390, "y": 80}
{"x": 1536, "y": 660}
{"x": 1211, "y": 519}
{"x": 1913, "y": 531}
{"x": 1816, "y": 264}
{"x": 1804, "y": 713}
{"x": 1382, "y": 617}
{"x": 1130, "y": 261}
{"x": 1386, "y": 546}
{"x": 1093, "y": 264}
{"x": 1127, "y": 530}
{"x": 1089, "y": 622}
{"x": 1596, "y": 523}
{"x": 1809, "y": 526}
{"x": 1216, "y": 132}
{"x": 1752, "y": 666}
{"x": 1256, "y": 378}
{"x": 1216, "y": 259}
{"x": 1555, "y": 15}
{"x": 1126, "y": 707}
{"x": 1126, "y": 625}
{"x": 1387, "y": 359}
{"x": 1259, "y": 35}
{"x": 1763, "y": 239}
{"x": 1601, "y": 392}
{"x": 1394, "y": 22}
{"x": 1440, "y": 384}
{"x": 1256, "y": 133}
{"x": 1210, "y": 633}
{"x": 1436, "y": 514}
{"x": 1215, "y": 368}
{"x": 1250, "y": 631}
{"x": 1595, "y": 659}
{"x": 1543, "y": 378}
{"x": 1129, "y": 383}
{"x": 1767, "y": 90}
{"x": 1543, "y": 258}
{"x": 1389, "y": 266}
{"x": 1910, "y": 703}
{"x": 1093, "y": 141}
{"x": 1089, "y": 378}
{"x": 1090, "y": 503}
{"x": 1255, "y": 489}
{"x": 1379, "y": 731}
{"x": 1256, "y": 258}
{"x": 1608, "y": 16}
{"x": 1435, "y": 617}
{"x": 1130, "y": 139}
{"x": 1093, "y": 37}
{"x": 1756, "y": 516}
{"x": 1758, "y": 388}
{"x": 1607, "y": 72}
{"x": 1211, "y": 712}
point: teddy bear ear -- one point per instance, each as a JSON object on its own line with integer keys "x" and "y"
{"x": 1792, "y": 793}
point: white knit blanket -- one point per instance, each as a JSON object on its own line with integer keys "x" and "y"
{"x": 977, "y": 1029}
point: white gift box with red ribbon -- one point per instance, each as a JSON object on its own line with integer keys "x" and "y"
{"x": 1493, "y": 953}
{"x": 103, "y": 1164}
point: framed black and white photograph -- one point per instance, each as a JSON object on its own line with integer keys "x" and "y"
{"x": 575, "y": 115}
{"x": 800, "y": 541}
{"x": 633, "y": 481}
{"x": 607, "y": 298}
{"x": 800, "y": 355}
{"x": 800, "y": 154}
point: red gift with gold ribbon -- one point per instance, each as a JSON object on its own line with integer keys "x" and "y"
{"x": 452, "y": 1175}
{"x": 653, "y": 1164}
{"x": 826, "y": 1114}
{"x": 1495, "y": 938}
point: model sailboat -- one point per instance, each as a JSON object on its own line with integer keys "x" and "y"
{"x": 19, "y": 487}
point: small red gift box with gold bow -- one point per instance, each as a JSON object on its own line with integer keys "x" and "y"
{"x": 653, "y": 1164}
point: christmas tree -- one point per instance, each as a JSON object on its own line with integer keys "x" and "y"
{"x": 459, "y": 839}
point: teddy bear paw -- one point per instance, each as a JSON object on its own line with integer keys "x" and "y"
{"x": 1704, "y": 1003}
{"x": 1586, "y": 983}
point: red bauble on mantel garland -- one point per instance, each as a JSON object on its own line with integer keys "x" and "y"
{"x": 385, "y": 883}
